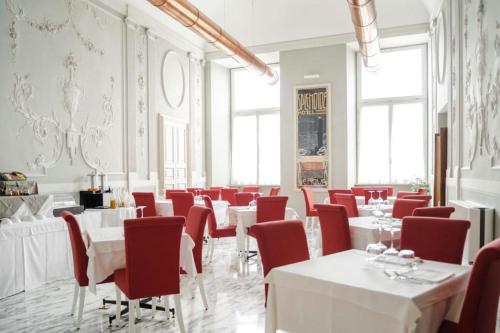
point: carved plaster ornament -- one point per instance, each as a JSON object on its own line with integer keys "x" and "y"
{"x": 141, "y": 105}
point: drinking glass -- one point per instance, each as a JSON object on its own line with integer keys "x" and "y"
{"x": 371, "y": 201}
{"x": 391, "y": 251}
{"x": 380, "y": 200}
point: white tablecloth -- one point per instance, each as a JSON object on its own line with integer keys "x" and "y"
{"x": 245, "y": 216}
{"x": 114, "y": 217}
{"x": 360, "y": 200}
{"x": 164, "y": 208}
{"x": 342, "y": 293}
{"x": 106, "y": 253}
{"x": 366, "y": 210}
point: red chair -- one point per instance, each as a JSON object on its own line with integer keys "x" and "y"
{"x": 375, "y": 194}
{"x": 311, "y": 212}
{"x": 426, "y": 198}
{"x": 479, "y": 310}
{"x": 405, "y": 207}
{"x": 280, "y": 243}
{"x": 195, "y": 227}
{"x": 227, "y": 194}
{"x": 213, "y": 194}
{"x": 331, "y": 194}
{"x": 195, "y": 190}
{"x": 434, "y": 211}
{"x": 243, "y": 198}
{"x": 182, "y": 202}
{"x": 146, "y": 199}
{"x": 334, "y": 224}
{"x": 215, "y": 231}
{"x": 274, "y": 191}
{"x": 250, "y": 189}
{"x": 168, "y": 193}
{"x": 401, "y": 194}
{"x": 152, "y": 250}
{"x": 349, "y": 202}
{"x": 80, "y": 263}
{"x": 434, "y": 238}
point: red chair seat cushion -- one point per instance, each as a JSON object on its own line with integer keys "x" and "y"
{"x": 225, "y": 231}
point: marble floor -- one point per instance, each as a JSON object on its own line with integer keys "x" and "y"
{"x": 235, "y": 293}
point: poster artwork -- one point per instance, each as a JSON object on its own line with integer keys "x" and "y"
{"x": 312, "y": 105}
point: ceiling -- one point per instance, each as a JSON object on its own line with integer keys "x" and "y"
{"x": 262, "y": 22}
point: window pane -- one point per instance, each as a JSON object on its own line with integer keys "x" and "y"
{"x": 269, "y": 149}
{"x": 251, "y": 91}
{"x": 407, "y": 151}
{"x": 373, "y": 145}
{"x": 244, "y": 150}
{"x": 400, "y": 74}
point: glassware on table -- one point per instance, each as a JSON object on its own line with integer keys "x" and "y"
{"x": 252, "y": 203}
{"x": 391, "y": 251}
{"x": 380, "y": 200}
{"x": 371, "y": 201}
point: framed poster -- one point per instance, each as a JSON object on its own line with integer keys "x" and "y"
{"x": 312, "y": 113}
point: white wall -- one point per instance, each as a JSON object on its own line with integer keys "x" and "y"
{"x": 99, "y": 66}
{"x": 473, "y": 157}
{"x": 331, "y": 64}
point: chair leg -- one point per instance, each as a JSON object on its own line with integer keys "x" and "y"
{"x": 153, "y": 307}
{"x": 178, "y": 313}
{"x": 212, "y": 245}
{"x": 118, "y": 304}
{"x": 75, "y": 298}
{"x": 199, "y": 278}
{"x": 131, "y": 316}
{"x": 80, "y": 306}
{"x": 247, "y": 247}
{"x": 138, "y": 314}
{"x": 166, "y": 302}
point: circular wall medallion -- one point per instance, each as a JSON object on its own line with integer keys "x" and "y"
{"x": 441, "y": 47}
{"x": 173, "y": 79}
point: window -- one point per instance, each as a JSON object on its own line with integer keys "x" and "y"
{"x": 255, "y": 149}
{"x": 392, "y": 111}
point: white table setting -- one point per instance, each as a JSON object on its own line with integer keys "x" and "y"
{"x": 246, "y": 216}
{"x": 113, "y": 217}
{"x": 331, "y": 293}
{"x": 164, "y": 207}
{"x": 360, "y": 200}
{"x": 106, "y": 252}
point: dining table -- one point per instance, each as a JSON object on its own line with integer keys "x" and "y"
{"x": 246, "y": 216}
{"x": 113, "y": 217}
{"x": 164, "y": 207}
{"x": 360, "y": 200}
{"x": 350, "y": 292}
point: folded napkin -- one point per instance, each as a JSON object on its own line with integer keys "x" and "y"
{"x": 428, "y": 275}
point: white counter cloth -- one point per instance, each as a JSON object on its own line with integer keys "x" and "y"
{"x": 364, "y": 232}
{"x": 343, "y": 293}
{"x": 114, "y": 217}
{"x": 246, "y": 216}
{"x": 164, "y": 208}
{"x": 360, "y": 200}
{"x": 106, "y": 253}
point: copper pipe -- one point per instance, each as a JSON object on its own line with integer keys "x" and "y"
{"x": 191, "y": 17}
{"x": 364, "y": 18}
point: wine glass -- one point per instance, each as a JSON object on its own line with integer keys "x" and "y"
{"x": 371, "y": 201}
{"x": 379, "y": 221}
{"x": 391, "y": 251}
{"x": 380, "y": 200}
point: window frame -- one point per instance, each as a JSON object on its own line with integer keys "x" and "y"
{"x": 391, "y": 102}
{"x": 247, "y": 112}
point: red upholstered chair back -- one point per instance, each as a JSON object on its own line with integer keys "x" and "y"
{"x": 332, "y": 192}
{"x": 434, "y": 238}
{"x": 479, "y": 311}
{"x": 426, "y": 198}
{"x": 243, "y": 198}
{"x": 401, "y": 194}
{"x": 271, "y": 208}
{"x": 405, "y": 207}
{"x": 335, "y": 233}
{"x": 308, "y": 199}
{"x": 375, "y": 195}
{"x": 274, "y": 191}
{"x": 250, "y": 189}
{"x": 78, "y": 250}
{"x": 152, "y": 249}
{"x": 434, "y": 211}
{"x": 349, "y": 202}
{"x": 280, "y": 243}
{"x": 168, "y": 193}
{"x": 195, "y": 190}
{"x": 213, "y": 194}
{"x": 145, "y": 199}
{"x": 227, "y": 194}
{"x": 182, "y": 202}
{"x": 195, "y": 227}
{"x": 211, "y": 219}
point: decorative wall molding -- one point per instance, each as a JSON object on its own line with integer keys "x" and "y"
{"x": 173, "y": 75}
